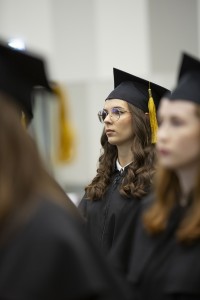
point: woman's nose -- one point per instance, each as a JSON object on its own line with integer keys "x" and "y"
{"x": 162, "y": 133}
{"x": 108, "y": 119}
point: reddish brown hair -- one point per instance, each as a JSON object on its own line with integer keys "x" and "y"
{"x": 167, "y": 191}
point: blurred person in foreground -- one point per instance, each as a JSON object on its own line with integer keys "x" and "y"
{"x": 165, "y": 261}
{"x": 42, "y": 104}
{"x": 44, "y": 254}
{"x": 23, "y": 77}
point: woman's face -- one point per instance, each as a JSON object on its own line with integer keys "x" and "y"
{"x": 119, "y": 132}
{"x": 178, "y": 144}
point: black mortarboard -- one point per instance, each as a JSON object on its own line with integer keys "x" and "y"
{"x": 188, "y": 86}
{"x": 20, "y": 72}
{"x": 134, "y": 90}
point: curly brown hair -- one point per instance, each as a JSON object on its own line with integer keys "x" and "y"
{"x": 138, "y": 177}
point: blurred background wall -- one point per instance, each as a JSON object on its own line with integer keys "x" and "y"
{"x": 82, "y": 40}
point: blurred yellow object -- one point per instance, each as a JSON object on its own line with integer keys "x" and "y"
{"x": 23, "y": 120}
{"x": 66, "y": 137}
{"x": 152, "y": 117}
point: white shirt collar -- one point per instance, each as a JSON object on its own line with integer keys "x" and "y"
{"x": 119, "y": 167}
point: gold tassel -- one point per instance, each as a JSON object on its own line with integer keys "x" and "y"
{"x": 23, "y": 120}
{"x": 152, "y": 117}
{"x": 66, "y": 135}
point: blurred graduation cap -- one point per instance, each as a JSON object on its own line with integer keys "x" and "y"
{"x": 188, "y": 86}
{"x": 20, "y": 73}
{"x": 139, "y": 92}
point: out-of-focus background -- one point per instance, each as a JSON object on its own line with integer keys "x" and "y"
{"x": 82, "y": 40}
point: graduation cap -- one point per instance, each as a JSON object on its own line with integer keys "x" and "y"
{"x": 135, "y": 90}
{"x": 188, "y": 86}
{"x": 20, "y": 73}
{"x": 139, "y": 92}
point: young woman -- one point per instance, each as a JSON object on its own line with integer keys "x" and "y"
{"x": 126, "y": 165}
{"x": 165, "y": 258}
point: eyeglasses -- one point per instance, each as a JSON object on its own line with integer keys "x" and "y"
{"x": 114, "y": 114}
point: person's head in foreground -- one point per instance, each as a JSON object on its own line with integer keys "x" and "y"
{"x": 22, "y": 75}
{"x": 178, "y": 149}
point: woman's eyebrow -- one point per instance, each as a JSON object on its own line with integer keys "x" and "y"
{"x": 118, "y": 107}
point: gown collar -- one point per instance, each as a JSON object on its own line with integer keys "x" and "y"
{"x": 119, "y": 167}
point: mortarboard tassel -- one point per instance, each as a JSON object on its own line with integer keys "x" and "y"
{"x": 152, "y": 117}
{"x": 66, "y": 141}
{"x": 23, "y": 120}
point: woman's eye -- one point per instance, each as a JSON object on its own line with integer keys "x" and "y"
{"x": 177, "y": 122}
{"x": 171, "y": 121}
{"x": 116, "y": 111}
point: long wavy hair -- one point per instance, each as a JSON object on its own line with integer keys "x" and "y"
{"x": 22, "y": 174}
{"x": 138, "y": 178}
{"x": 167, "y": 192}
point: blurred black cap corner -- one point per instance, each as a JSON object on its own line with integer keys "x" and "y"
{"x": 20, "y": 73}
{"x": 188, "y": 85}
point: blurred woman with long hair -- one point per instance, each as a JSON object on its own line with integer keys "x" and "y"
{"x": 166, "y": 245}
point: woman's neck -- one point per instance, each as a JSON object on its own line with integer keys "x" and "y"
{"x": 187, "y": 179}
{"x": 125, "y": 156}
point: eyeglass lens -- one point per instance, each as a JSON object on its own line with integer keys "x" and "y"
{"x": 114, "y": 114}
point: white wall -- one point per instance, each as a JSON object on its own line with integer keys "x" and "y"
{"x": 83, "y": 40}
{"x": 29, "y": 20}
{"x": 73, "y": 35}
{"x": 121, "y": 36}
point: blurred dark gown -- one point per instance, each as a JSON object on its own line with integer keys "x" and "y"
{"x": 161, "y": 268}
{"x": 49, "y": 257}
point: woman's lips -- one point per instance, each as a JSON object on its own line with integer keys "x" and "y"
{"x": 109, "y": 131}
{"x": 163, "y": 152}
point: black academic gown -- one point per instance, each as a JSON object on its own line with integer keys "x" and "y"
{"x": 162, "y": 268}
{"x": 50, "y": 257}
{"x": 110, "y": 222}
